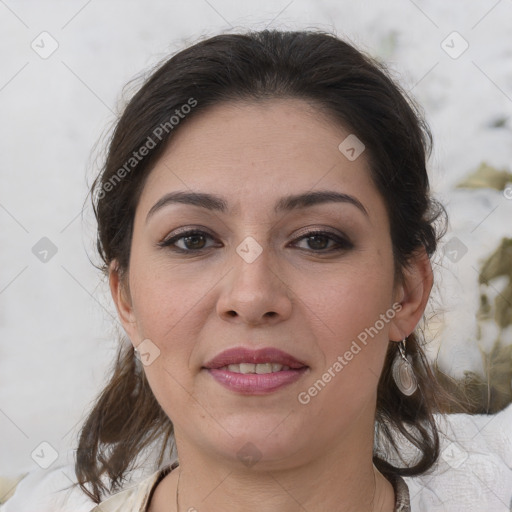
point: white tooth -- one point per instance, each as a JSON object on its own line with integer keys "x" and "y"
{"x": 259, "y": 368}
{"x": 247, "y": 367}
{"x": 264, "y": 368}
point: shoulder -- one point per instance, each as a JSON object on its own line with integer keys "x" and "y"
{"x": 132, "y": 499}
{"x": 56, "y": 491}
{"x": 474, "y": 468}
{"x": 46, "y": 491}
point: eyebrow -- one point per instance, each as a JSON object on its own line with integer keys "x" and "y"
{"x": 285, "y": 204}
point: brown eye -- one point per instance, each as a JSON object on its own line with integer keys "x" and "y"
{"x": 318, "y": 242}
{"x": 194, "y": 241}
{"x": 188, "y": 241}
{"x": 324, "y": 241}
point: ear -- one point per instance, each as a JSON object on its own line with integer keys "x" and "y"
{"x": 121, "y": 295}
{"x": 412, "y": 292}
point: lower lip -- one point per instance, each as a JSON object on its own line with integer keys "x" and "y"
{"x": 253, "y": 383}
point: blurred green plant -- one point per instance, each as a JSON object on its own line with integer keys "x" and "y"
{"x": 491, "y": 392}
{"x": 499, "y": 264}
{"x": 487, "y": 176}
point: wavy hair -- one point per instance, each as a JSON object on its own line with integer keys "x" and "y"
{"x": 354, "y": 90}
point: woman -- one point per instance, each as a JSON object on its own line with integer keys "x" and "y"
{"x": 265, "y": 222}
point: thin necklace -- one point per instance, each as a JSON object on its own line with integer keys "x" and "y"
{"x": 178, "y": 492}
{"x": 372, "y": 502}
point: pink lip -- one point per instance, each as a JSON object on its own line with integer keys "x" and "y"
{"x": 255, "y": 384}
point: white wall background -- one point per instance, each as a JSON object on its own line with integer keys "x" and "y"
{"x": 57, "y": 335}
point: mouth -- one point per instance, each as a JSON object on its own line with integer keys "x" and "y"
{"x": 263, "y": 360}
{"x": 255, "y": 372}
{"x": 259, "y": 369}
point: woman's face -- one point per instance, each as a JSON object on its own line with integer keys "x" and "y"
{"x": 256, "y": 274}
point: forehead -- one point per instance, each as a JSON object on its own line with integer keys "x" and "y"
{"x": 255, "y": 152}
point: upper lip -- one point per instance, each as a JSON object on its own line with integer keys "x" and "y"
{"x": 239, "y": 355}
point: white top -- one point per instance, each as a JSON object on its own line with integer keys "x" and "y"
{"x": 473, "y": 474}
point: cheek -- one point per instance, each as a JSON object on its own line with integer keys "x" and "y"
{"x": 170, "y": 313}
{"x": 351, "y": 315}
{"x": 172, "y": 306}
{"x": 163, "y": 296}
{"x": 348, "y": 300}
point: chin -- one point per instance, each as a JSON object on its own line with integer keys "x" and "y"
{"x": 260, "y": 440}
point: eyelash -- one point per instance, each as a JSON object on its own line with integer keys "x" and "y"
{"x": 342, "y": 243}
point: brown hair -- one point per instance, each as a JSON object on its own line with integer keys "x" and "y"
{"x": 358, "y": 93}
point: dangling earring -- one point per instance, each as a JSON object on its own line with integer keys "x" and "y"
{"x": 403, "y": 372}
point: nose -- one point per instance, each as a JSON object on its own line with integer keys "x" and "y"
{"x": 255, "y": 292}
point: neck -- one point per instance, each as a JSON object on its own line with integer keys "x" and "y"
{"x": 340, "y": 484}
